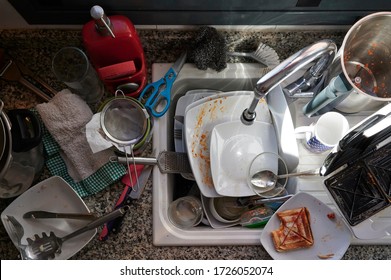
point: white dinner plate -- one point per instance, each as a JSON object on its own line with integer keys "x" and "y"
{"x": 233, "y": 146}
{"x": 54, "y": 195}
{"x": 200, "y": 119}
{"x": 331, "y": 235}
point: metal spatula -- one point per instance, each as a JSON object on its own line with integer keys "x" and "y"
{"x": 168, "y": 162}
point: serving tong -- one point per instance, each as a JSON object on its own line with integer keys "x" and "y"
{"x": 47, "y": 246}
{"x": 53, "y": 215}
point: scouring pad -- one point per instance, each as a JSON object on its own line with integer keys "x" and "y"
{"x": 208, "y": 49}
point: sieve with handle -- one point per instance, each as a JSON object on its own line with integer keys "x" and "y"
{"x": 124, "y": 122}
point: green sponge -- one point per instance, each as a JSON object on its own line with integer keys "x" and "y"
{"x": 208, "y": 49}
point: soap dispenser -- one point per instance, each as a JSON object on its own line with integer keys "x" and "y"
{"x": 115, "y": 51}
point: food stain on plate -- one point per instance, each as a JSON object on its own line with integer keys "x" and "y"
{"x": 209, "y": 111}
{"x": 200, "y": 119}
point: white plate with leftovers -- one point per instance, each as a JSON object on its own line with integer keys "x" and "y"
{"x": 304, "y": 228}
{"x": 54, "y": 195}
{"x": 190, "y": 97}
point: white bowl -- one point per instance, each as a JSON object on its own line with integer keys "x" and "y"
{"x": 213, "y": 222}
{"x": 218, "y": 208}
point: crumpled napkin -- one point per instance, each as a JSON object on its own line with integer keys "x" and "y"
{"x": 96, "y": 137}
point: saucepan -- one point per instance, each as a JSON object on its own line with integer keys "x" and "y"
{"x": 6, "y": 157}
{"x": 358, "y": 78}
{"x": 22, "y": 157}
{"x": 2, "y": 132}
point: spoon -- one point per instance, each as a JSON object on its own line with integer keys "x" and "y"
{"x": 267, "y": 179}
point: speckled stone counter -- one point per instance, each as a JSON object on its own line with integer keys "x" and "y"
{"x": 35, "y": 48}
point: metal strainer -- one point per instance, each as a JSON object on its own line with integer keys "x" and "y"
{"x": 124, "y": 121}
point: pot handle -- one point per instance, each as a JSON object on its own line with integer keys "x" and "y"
{"x": 337, "y": 88}
{"x": 26, "y": 130}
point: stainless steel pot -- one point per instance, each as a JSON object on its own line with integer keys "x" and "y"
{"x": 2, "y": 137}
{"x": 6, "y": 158}
{"x": 22, "y": 159}
{"x": 358, "y": 78}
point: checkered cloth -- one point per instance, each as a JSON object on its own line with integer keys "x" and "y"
{"x": 108, "y": 174}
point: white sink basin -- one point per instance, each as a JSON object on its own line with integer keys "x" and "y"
{"x": 166, "y": 186}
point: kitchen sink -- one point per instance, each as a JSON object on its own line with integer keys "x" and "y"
{"x": 167, "y": 187}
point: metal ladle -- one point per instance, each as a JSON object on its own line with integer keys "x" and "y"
{"x": 267, "y": 179}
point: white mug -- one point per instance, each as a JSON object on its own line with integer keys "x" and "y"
{"x": 324, "y": 134}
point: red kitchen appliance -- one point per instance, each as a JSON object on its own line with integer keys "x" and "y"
{"x": 115, "y": 51}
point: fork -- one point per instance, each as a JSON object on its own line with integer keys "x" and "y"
{"x": 16, "y": 230}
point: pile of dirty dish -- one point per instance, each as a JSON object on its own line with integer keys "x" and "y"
{"x": 222, "y": 151}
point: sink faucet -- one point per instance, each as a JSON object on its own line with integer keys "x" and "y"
{"x": 324, "y": 50}
{"x": 310, "y": 82}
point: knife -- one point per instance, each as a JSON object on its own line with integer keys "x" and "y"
{"x": 52, "y": 215}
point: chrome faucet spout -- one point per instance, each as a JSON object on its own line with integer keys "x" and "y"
{"x": 324, "y": 49}
{"x": 309, "y": 83}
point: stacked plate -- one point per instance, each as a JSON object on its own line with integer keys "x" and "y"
{"x": 220, "y": 147}
{"x": 181, "y": 105}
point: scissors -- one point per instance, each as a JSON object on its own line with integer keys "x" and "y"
{"x": 156, "y": 96}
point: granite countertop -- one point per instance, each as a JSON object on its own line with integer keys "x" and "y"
{"x": 35, "y": 48}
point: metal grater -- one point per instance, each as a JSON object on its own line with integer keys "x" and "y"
{"x": 168, "y": 162}
{"x": 173, "y": 162}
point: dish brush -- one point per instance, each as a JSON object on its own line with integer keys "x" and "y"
{"x": 263, "y": 54}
